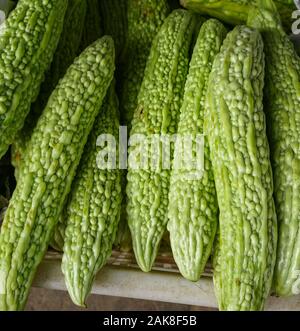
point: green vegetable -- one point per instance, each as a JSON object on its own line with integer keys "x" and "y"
{"x": 114, "y": 16}
{"x": 236, "y": 11}
{"x": 50, "y": 163}
{"x": 92, "y": 30}
{"x": 282, "y": 107}
{"x": 157, "y": 113}
{"x": 25, "y": 55}
{"x": 64, "y": 56}
{"x": 193, "y": 207}
{"x": 235, "y": 127}
{"x": 145, "y": 18}
{"x": 93, "y": 210}
{"x": 92, "y": 26}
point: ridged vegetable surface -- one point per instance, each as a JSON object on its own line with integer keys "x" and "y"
{"x": 145, "y": 18}
{"x": 193, "y": 207}
{"x": 236, "y": 11}
{"x": 236, "y": 130}
{"x": 157, "y": 113}
{"x": 93, "y": 209}
{"x": 114, "y": 20}
{"x": 54, "y": 153}
{"x": 64, "y": 56}
{"x": 92, "y": 29}
{"x": 282, "y": 107}
{"x": 27, "y": 43}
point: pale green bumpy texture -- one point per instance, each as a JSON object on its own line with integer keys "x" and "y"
{"x": 236, "y": 11}
{"x": 64, "y": 56}
{"x": 236, "y": 130}
{"x": 93, "y": 209}
{"x": 158, "y": 110}
{"x": 28, "y": 41}
{"x": 193, "y": 207}
{"x": 54, "y": 153}
{"x": 282, "y": 108}
{"x": 145, "y": 18}
{"x": 114, "y": 21}
{"x": 92, "y": 29}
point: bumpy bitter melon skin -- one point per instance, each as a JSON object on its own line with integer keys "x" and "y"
{"x": 64, "y": 56}
{"x": 157, "y": 112}
{"x": 28, "y": 41}
{"x": 114, "y": 21}
{"x": 282, "y": 108}
{"x": 239, "y": 150}
{"x": 93, "y": 210}
{"x": 236, "y": 11}
{"x": 92, "y": 29}
{"x": 193, "y": 207}
{"x": 50, "y": 164}
{"x": 145, "y": 17}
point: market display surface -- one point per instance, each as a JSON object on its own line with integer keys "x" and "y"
{"x": 163, "y": 133}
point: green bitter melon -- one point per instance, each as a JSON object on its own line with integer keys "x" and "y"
{"x": 93, "y": 209}
{"x": 282, "y": 108}
{"x": 193, "y": 207}
{"x": 145, "y": 18}
{"x": 156, "y": 115}
{"x": 236, "y": 130}
{"x": 50, "y": 163}
{"x": 28, "y": 41}
{"x": 64, "y": 56}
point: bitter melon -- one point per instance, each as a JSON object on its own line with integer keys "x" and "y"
{"x": 92, "y": 29}
{"x": 28, "y": 41}
{"x": 64, "y": 56}
{"x": 156, "y": 116}
{"x": 282, "y": 107}
{"x": 236, "y": 130}
{"x": 145, "y": 18}
{"x": 236, "y": 11}
{"x": 193, "y": 207}
{"x": 50, "y": 162}
{"x": 93, "y": 209}
{"x": 114, "y": 20}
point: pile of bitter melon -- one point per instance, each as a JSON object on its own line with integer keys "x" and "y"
{"x": 72, "y": 72}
